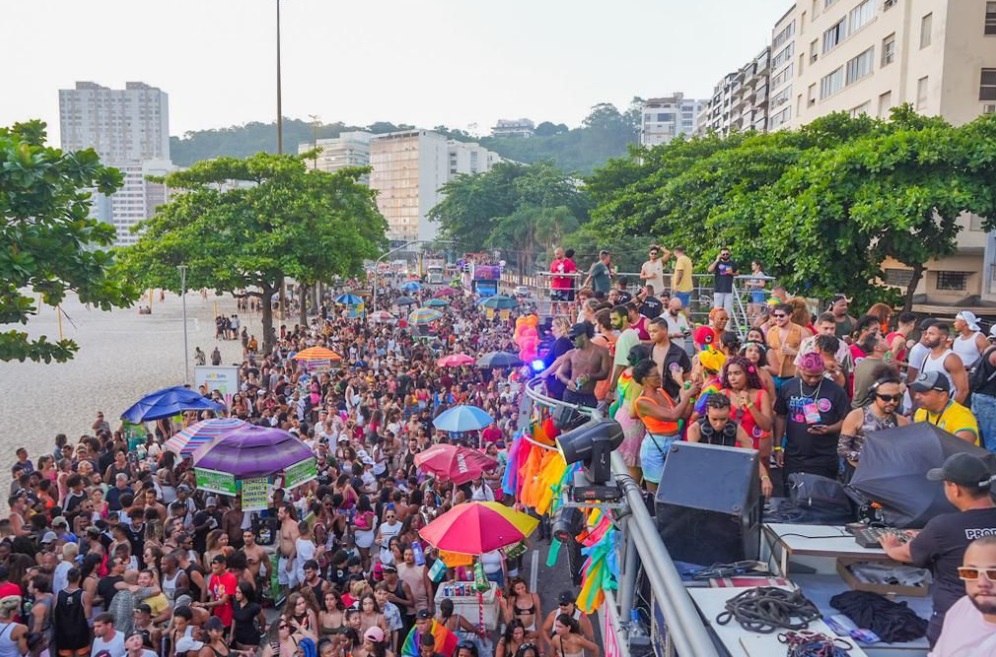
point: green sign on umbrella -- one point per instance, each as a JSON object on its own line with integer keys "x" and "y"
{"x": 216, "y": 482}
{"x": 300, "y": 473}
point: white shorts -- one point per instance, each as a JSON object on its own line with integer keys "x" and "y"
{"x": 286, "y": 577}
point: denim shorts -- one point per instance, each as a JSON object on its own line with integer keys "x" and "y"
{"x": 653, "y": 453}
{"x": 686, "y": 298}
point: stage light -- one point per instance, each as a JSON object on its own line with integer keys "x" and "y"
{"x": 538, "y": 365}
{"x": 567, "y": 524}
{"x": 592, "y": 444}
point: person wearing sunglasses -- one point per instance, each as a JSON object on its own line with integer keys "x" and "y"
{"x": 877, "y": 414}
{"x": 969, "y": 624}
{"x": 941, "y": 545}
{"x": 932, "y": 392}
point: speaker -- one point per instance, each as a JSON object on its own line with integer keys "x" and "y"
{"x": 708, "y": 504}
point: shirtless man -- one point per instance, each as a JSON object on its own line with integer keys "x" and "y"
{"x": 18, "y": 506}
{"x": 257, "y": 561}
{"x": 152, "y": 502}
{"x": 231, "y": 523}
{"x": 288, "y": 535}
{"x": 585, "y": 365}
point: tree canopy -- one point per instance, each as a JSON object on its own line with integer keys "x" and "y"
{"x": 241, "y": 226}
{"x": 49, "y": 243}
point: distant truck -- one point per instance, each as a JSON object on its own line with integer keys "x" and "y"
{"x": 434, "y": 271}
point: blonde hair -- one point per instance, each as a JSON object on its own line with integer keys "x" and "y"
{"x": 10, "y": 605}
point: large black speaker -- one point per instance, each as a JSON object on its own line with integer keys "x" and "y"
{"x": 708, "y": 504}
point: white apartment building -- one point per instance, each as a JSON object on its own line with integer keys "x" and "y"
{"x": 719, "y": 109}
{"x": 129, "y": 130}
{"x": 408, "y": 170}
{"x": 662, "y": 119}
{"x": 122, "y": 125}
{"x": 868, "y": 56}
{"x": 514, "y": 128}
{"x": 349, "y": 149}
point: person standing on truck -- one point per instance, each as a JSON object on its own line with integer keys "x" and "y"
{"x": 561, "y": 282}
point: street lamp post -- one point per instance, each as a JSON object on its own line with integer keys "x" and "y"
{"x": 280, "y": 112}
{"x": 186, "y": 342}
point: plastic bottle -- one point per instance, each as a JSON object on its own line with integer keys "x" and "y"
{"x": 636, "y": 628}
{"x": 419, "y": 553}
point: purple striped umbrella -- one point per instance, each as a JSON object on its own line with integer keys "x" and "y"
{"x": 190, "y": 439}
{"x": 252, "y": 451}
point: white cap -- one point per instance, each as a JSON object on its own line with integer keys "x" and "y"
{"x": 186, "y": 644}
{"x": 969, "y": 318}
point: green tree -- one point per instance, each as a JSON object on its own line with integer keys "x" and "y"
{"x": 49, "y": 243}
{"x": 242, "y": 226}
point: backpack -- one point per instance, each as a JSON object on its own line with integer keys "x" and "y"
{"x": 978, "y": 376}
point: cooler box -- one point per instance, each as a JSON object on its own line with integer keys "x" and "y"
{"x": 468, "y": 606}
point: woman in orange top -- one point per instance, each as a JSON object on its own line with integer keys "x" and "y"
{"x": 661, "y": 416}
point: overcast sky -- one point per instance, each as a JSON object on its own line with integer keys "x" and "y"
{"x": 424, "y": 62}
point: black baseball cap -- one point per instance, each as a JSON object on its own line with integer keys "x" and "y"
{"x": 581, "y": 328}
{"x": 963, "y": 469}
{"x": 566, "y": 598}
{"x": 423, "y": 614}
{"x": 927, "y": 323}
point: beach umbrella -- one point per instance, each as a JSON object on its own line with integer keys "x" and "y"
{"x": 317, "y": 353}
{"x": 499, "y": 302}
{"x": 462, "y": 418}
{"x": 446, "y": 292}
{"x": 424, "y": 315}
{"x": 348, "y": 299}
{"x": 436, "y": 303}
{"x": 451, "y": 463}
{"x": 498, "y": 359}
{"x": 252, "y": 451}
{"x": 190, "y": 439}
{"x": 411, "y": 286}
{"x": 455, "y": 360}
{"x": 382, "y": 317}
{"x": 167, "y": 403}
{"x": 478, "y": 527}
{"x": 405, "y": 301}
{"x": 893, "y": 471}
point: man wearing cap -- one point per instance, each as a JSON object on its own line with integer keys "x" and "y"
{"x": 584, "y": 366}
{"x": 970, "y": 624}
{"x": 944, "y": 360}
{"x": 969, "y": 342}
{"x": 983, "y": 386}
{"x": 566, "y": 604}
{"x": 932, "y": 393}
{"x": 941, "y": 544}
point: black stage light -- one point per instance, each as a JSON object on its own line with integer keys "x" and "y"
{"x": 592, "y": 444}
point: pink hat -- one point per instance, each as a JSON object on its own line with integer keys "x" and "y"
{"x": 374, "y": 633}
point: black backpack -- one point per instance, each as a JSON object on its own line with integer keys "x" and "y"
{"x": 982, "y": 374}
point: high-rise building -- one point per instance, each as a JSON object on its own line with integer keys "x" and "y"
{"x": 349, "y": 149}
{"x": 122, "y": 125}
{"x": 408, "y": 170}
{"x": 719, "y": 108}
{"x": 129, "y": 130}
{"x": 663, "y": 119}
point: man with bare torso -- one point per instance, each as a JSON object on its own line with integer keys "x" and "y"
{"x": 585, "y": 365}
{"x": 257, "y": 561}
{"x": 288, "y": 535}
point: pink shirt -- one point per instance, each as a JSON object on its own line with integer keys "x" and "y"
{"x": 966, "y": 633}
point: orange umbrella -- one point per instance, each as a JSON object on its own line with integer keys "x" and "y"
{"x": 317, "y": 353}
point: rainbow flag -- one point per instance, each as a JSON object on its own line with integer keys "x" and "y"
{"x": 446, "y": 641}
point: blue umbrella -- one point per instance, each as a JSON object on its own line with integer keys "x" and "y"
{"x": 437, "y": 303}
{"x": 167, "y": 403}
{"x": 349, "y": 300}
{"x": 499, "y": 303}
{"x": 462, "y": 418}
{"x": 412, "y": 286}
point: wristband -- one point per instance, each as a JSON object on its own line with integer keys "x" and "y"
{"x": 763, "y": 477}
{"x": 776, "y": 449}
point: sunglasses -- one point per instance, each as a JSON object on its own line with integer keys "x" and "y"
{"x": 970, "y": 574}
{"x": 888, "y": 398}
{"x": 779, "y": 315}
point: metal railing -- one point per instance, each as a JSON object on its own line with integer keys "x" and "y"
{"x": 685, "y": 632}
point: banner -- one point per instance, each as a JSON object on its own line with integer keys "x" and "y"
{"x": 216, "y": 482}
{"x": 135, "y": 434}
{"x": 224, "y": 379}
{"x": 300, "y": 473}
{"x": 255, "y": 494}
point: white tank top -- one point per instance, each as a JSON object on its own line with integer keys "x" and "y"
{"x": 169, "y": 585}
{"x": 931, "y": 364}
{"x": 966, "y": 349}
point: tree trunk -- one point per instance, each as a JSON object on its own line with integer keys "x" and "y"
{"x": 911, "y": 287}
{"x": 303, "y": 314}
{"x": 267, "y": 319}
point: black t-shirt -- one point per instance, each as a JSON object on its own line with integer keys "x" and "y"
{"x": 724, "y": 276}
{"x": 624, "y": 297}
{"x": 806, "y": 452}
{"x": 651, "y": 307}
{"x": 245, "y": 630}
{"x": 106, "y": 590}
{"x": 941, "y": 547}
{"x": 675, "y": 356}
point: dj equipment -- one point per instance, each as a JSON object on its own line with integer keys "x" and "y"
{"x": 868, "y": 537}
{"x": 708, "y": 504}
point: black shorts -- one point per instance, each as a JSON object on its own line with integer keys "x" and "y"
{"x": 562, "y": 295}
{"x": 582, "y": 399}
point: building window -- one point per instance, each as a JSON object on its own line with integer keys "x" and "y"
{"x": 781, "y": 97}
{"x": 956, "y": 281}
{"x": 782, "y": 77}
{"x": 926, "y": 25}
{"x": 783, "y": 56}
{"x": 898, "y": 277}
{"x": 861, "y": 66}
{"x": 987, "y": 85}
{"x": 889, "y": 49}
{"x": 884, "y": 104}
{"x": 832, "y": 83}
{"x": 835, "y": 35}
{"x": 990, "y": 18}
{"x": 921, "y": 92}
{"x": 814, "y": 48}
{"x": 860, "y": 109}
{"x": 784, "y": 35}
{"x": 827, "y": 3}
{"x": 811, "y": 94}
{"x": 861, "y": 15}
{"x": 778, "y": 119}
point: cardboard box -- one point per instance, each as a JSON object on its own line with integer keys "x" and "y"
{"x": 890, "y": 590}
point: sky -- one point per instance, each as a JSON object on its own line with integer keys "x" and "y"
{"x": 460, "y": 63}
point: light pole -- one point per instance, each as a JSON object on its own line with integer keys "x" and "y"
{"x": 395, "y": 250}
{"x": 186, "y": 343}
{"x": 280, "y": 113}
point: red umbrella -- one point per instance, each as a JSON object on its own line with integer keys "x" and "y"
{"x": 445, "y": 292}
{"x": 452, "y": 463}
{"x": 478, "y": 527}
{"x": 455, "y": 360}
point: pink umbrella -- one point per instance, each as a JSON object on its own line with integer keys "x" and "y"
{"x": 455, "y": 360}
{"x": 446, "y": 292}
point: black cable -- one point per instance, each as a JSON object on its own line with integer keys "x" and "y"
{"x": 767, "y": 608}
